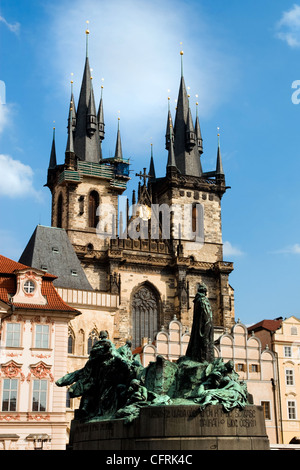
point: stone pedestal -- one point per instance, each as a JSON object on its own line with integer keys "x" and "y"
{"x": 179, "y": 427}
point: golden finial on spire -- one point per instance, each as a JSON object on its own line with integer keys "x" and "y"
{"x": 87, "y": 32}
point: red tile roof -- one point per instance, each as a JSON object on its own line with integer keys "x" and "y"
{"x": 8, "y": 286}
{"x": 271, "y": 325}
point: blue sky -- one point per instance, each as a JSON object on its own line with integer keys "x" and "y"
{"x": 241, "y": 59}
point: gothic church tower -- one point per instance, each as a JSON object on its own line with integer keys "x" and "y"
{"x": 156, "y": 277}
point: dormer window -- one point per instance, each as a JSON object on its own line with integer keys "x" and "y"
{"x": 29, "y": 287}
{"x": 73, "y": 272}
{"x": 55, "y": 250}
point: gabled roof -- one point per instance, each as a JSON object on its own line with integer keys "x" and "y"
{"x": 49, "y": 248}
{"x": 8, "y": 286}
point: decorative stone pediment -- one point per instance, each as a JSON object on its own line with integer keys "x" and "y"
{"x": 29, "y": 287}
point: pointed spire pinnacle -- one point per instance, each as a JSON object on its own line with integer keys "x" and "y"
{"x": 198, "y": 132}
{"x": 52, "y": 161}
{"x": 190, "y": 132}
{"x": 118, "y": 152}
{"x": 72, "y": 104}
{"x": 70, "y": 141}
{"x": 91, "y": 112}
{"x": 171, "y": 156}
{"x": 169, "y": 121}
{"x": 152, "y": 175}
{"x": 219, "y": 168}
{"x": 100, "y": 117}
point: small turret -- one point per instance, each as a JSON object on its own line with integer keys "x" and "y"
{"x": 100, "y": 117}
{"x": 91, "y": 122}
{"x": 169, "y": 122}
{"x": 118, "y": 151}
{"x": 198, "y": 133}
{"x": 190, "y": 135}
{"x": 219, "y": 167}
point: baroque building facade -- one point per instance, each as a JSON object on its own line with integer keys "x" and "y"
{"x": 34, "y": 324}
{"x": 153, "y": 252}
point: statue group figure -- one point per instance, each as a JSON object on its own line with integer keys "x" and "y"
{"x": 114, "y": 384}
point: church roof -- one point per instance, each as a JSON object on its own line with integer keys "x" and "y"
{"x": 50, "y": 249}
{"x": 8, "y": 288}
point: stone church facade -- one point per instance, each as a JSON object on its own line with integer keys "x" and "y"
{"x": 153, "y": 250}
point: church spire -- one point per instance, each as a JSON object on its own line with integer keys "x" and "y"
{"x": 185, "y": 149}
{"x": 86, "y": 139}
{"x": 52, "y": 161}
{"x": 118, "y": 151}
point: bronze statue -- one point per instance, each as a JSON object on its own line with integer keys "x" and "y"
{"x": 200, "y": 347}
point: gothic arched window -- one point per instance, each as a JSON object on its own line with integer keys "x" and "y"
{"x": 59, "y": 211}
{"x": 144, "y": 315}
{"x": 71, "y": 341}
{"x": 93, "y": 337}
{"x": 93, "y": 206}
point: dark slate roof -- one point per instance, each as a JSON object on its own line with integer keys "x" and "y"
{"x": 50, "y": 249}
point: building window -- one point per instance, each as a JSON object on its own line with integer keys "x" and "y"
{"x": 287, "y": 351}
{"x": 39, "y": 395}
{"x": 93, "y": 337}
{"x": 144, "y": 315}
{"x": 267, "y": 409}
{"x": 13, "y": 335}
{"x": 240, "y": 367}
{"x": 93, "y": 206}
{"x": 9, "y": 395}
{"x": 71, "y": 342}
{"x": 59, "y": 211}
{"x": 68, "y": 400}
{"x": 254, "y": 368}
{"x": 289, "y": 377}
{"x": 29, "y": 287}
{"x": 42, "y": 336}
{"x": 291, "y": 405}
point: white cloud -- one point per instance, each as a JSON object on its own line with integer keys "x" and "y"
{"x": 13, "y": 27}
{"x": 292, "y": 249}
{"x": 230, "y": 250}
{"x": 288, "y": 28}
{"x": 16, "y": 179}
{"x": 134, "y": 46}
{"x": 5, "y": 115}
